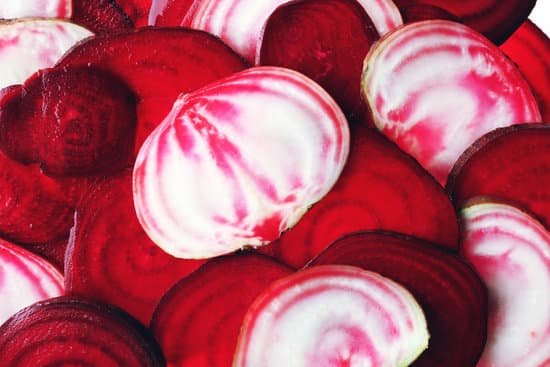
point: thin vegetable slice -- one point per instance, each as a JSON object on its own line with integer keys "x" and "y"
{"x": 384, "y": 14}
{"x": 100, "y": 16}
{"x": 35, "y": 8}
{"x": 137, "y": 10}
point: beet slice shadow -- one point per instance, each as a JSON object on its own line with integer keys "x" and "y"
{"x": 100, "y": 16}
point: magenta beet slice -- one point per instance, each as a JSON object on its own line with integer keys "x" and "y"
{"x": 100, "y": 16}
{"x": 380, "y": 188}
{"x": 510, "y": 163}
{"x": 327, "y": 40}
{"x": 529, "y": 49}
{"x": 452, "y": 296}
{"x": 72, "y": 331}
{"x": 198, "y": 321}
{"x": 111, "y": 259}
{"x": 137, "y": 10}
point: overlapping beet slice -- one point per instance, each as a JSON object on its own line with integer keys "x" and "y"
{"x": 74, "y": 331}
{"x": 416, "y": 12}
{"x": 198, "y": 321}
{"x": 169, "y": 13}
{"x": 36, "y": 8}
{"x": 137, "y": 10}
{"x": 509, "y": 163}
{"x": 452, "y": 296}
{"x": 100, "y": 16}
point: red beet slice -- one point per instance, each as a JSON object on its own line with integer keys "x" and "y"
{"x": 158, "y": 65}
{"x": 198, "y": 321}
{"x": 53, "y": 252}
{"x": 111, "y": 259}
{"x": 452, "y": 296}
{"x": 166, "y": 13}
{"x": 510, "y": 163}
{"x": 35, "y": 8}
{"x": 327, "y": 40}
{"x": 416, "y": 12}
{"x": 137, "y": 10}
{"x": 100, "y": 16}
{"x": 529, "y": 49}
{"x": 71, "y": 331}
{"x": 380, "y": 188}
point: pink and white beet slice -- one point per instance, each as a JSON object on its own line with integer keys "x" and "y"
{"x": 237, "y": 162}
{"x": 332, "y": 315}
{"x": 511, "y": 252}
{"x": 12, "y": 9}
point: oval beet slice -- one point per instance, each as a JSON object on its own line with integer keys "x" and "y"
{"x": 35, "y": 8}
{"x": 326, "y": 40}
{"x": 100, "y": 16}
{"x": 198, "y": 321}
{"x": 380, "y": 188}
{"x": 332, "y": 315}
{"x": 511, "y": 252}
{"x": 476, "y": 89}
{"x": 510, "y": 163}
{"x": 73, "y": 331}
{"x": 111, "y": 259}
{"x": 452, "y": 296}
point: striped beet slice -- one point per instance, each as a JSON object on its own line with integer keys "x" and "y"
{"x": 435, "y": 86}
{"x": 35, "y": 8}
{"x": 69, "y": 331}
{"x": 380, "y": 188}
{"x": 511, "y": 164}
{"x": 384, "y": 14}
{"x": 510, "y": 250}
{"x": 198, "y": 321}
{"x": 111, "y": 259}
{"x": 100, "y": 16}
{"x": 332, "y": 315}
{"x": 24, "y": 279}
{"x": 452, "y": 296}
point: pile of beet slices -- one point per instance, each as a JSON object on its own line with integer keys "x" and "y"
{"x": 445, "y": 191}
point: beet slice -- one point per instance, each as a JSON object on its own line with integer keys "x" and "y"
{"x": 380, "y": 188}
{"x": 53, "y": 252}
{"x": 35, "y": 8}
{"x": 111, "y": 259}
{"x": 137, "y": 10}
{"x": 511, "y": 252}
{"x": 168, "y": 13}
{"x": 158, "y": 65}
{"x": 100, "y": 16}
{"x": 476, "y": 87}
{"x": 529, "y": 49}
{"x": 332, "y": 315}
{"x": 384, "y": 14}
{"x": 198, "y": 321}
{"x": 416, "y": 12}
{"x": 72, "y": 331}
{"x": 489, "y": 168}
{"x": 452, "y": 296}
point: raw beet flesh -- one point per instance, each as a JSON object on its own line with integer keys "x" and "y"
{"x": 198, "y": 321}
{"x": 509, "y": 163}
{"x": 452, "y": 296}
{"x": 53, "y": 252}
{"x": 416, "y": 12}
{"x": 35, "y": 9}
{"x": 111, "y": 259}
{"x": 158, "y": 65}
{"x": 168, "y": 13}
{"x": 327, "y": 40}
{"x": 529, "y": 49}
{"x": 100, "y": 16}
{"x": 74, "y": 331}
{"x": 380, "y": 188}
{"x": 137, "y": 10}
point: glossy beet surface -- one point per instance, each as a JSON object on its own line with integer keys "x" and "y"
{"x": 100, "y": 16}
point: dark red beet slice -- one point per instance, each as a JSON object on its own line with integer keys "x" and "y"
{"x": 69, "y": 331}
{"x": 327, "y": 40}
{"x": 158, "y": 65}
{"x": 452, "y": 296}
{"x": 416, "y": 12}
{"x": 53, "y": 251}
{"x": 100, "y": 16}
{"x": 380, "y": 188}
{"x": 137, "y": 10}
{"x": 529, "y": 48}
{"x": 166, "y": 13}
{"x": 111, "y": 259}
{"x": 509, "y": 163}
{"x": 198, "y": 321}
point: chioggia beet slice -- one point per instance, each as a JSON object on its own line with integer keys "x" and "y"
{"x": 332, "y": 315}
{"x": 27, "y": 46}
{"x": 111, "y": 259}
{"x": 511, "y": 252}
{"x": 35, "y": 8}
{"x": 452, "y": 296}
{"x": 198, "y": 321}
{"x": 380, "y": 188}
{"x": 435, "y": 86}
{"x": 100, "y": 16}
{"x": 510, "y": 163}
{"x": 238, "y": 162}
{"x": 24, "y": 279}
{"x": 384, "y": 14}
{"x": 73, "y": 331}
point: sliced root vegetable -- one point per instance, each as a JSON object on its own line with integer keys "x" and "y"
{"x": 452, "y": 296}
{"x": 332, "y": 316}
{"x": 384, "y": 14}
{"x": 326, "y": 40}
{"x": 529, "y": 48}
{"x": 511, "y": 252}
{"x": 198, "y": 321}
{"x": 476, "y": 89}
{"x": 111, "y": 259}
{"x": 511, "y": 164}
{"x": 24, "y": 279}
{"x": 238, "y": 162}
{"x": 137, "y": 10}
{"x": 417, "y": 12}
{"x": 53, "y": 252}
{"x": 168, "y": 13}
{"x": 72, "y": 331}
{"x": 100, "y": 16}
{"x": 35, "y": 8}
{"x": 380, "y": 188}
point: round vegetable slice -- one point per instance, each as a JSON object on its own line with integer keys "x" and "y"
{"x": 35, "y": 8}
{"x": 100, "y": 16}
{"x": 332, "y": 316}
